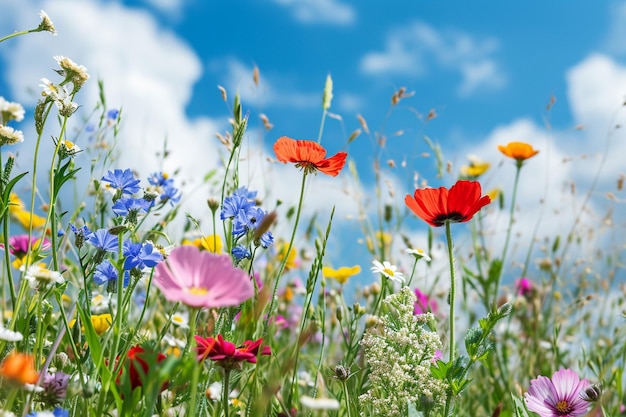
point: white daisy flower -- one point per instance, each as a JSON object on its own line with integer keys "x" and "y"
{"x": 388, "y": 270}
{"x": 46, "y": 24}
{"x": 419, "y": 254}
{"x": 38, "y": 277}
{"x": 180, "y": 319}
{"x": 10, "y": 136}
{"x": 11, "y": 111}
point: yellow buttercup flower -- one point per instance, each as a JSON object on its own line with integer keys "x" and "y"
{"x": 291, "y": 257}
{"x": 100, "y": 322}
{"x": 475, "y": 169}
{"x": 493, "y": 194}
{"x": 211, "y": 243}
{"x": 23, "y": 216}
{"x": 342, "y": 274}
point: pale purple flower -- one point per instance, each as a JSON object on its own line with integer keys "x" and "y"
{"x": 559, "y": 396}
{"x": 202, "y": 279}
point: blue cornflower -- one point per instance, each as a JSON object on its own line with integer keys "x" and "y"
{"x": 171, "y": 194}
{"x": 240, "y": 252}
{"x": 266, "y": 239}
{"x": 131, "y": 207}
{"x": 79, "y": 234}
{"x": 112, "y": 114}
{"x": 103, "y": 240}
{"x": 140, "y": 255}
{"x": 160, "y": 179}
{"x": 124, "y": 181}
{"x": 57, "y": 412}
{"x": 106, "y": 273}
{"x": 233, "y": 205}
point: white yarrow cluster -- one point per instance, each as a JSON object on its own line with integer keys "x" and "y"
{"x": 400, "y": 353}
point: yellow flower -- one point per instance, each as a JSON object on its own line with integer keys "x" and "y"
{"x": 520, "y": 151}
{"x": 494, "y": 193}
{"x": 383, "y": 237}
{"x": 21, "y": 215}
{"x": 476, "y": 168}
{"x": 342, "y": 274}
{"x": 291, "y": 257}
{"x": 100, "y": 322}
{"x": 211, "y": 243}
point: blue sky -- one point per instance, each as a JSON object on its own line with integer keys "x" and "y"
{"x": 488, "y": 70}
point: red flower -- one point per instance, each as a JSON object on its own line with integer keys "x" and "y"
{"x": 309, "y": 156}
{"x": 436, "y": 206}
{"x": 226, "y": 353}
{"x": 137, "y": 360}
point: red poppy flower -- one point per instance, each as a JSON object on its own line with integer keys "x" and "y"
{"x": 309, "y": 156}
{"x": 436, "y": 206}
{"x": 137, "y": 360}
{"x": 226, "y": 353}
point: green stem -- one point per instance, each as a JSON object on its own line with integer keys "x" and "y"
{"x": 508, "y": 232}
{"x": 452, "y": 288}
{"x": 225, "y": 392}
{"x": 281, "y": 268}
{"x": 319, "y": 135}
{"x": 23, "y": 32}
{"x": 346, "y": 394}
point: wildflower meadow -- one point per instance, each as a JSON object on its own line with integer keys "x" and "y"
{"x": 116, "y": 301}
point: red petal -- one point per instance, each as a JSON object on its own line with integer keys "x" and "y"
{"x": 331, "y": 166}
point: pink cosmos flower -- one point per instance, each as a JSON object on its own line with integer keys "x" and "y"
{"x": 559, "y": 396}
{"x": 202, "y": 279}
{"x": 424, "y": 304}
{"x": 18, "y": 245}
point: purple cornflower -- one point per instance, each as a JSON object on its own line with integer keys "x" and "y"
{"x": 123, "y": 181}
{"x": 55, "y": 387}
{"x": 140, "y": 255}
{"x": 424, "y": 304}
{"x": 103, "y": 240}
{"x": 106, "y": 273}
{"x": 559, "y": 396}
{"x": 131, "y": 207}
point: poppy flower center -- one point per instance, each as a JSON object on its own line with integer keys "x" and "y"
{"x": 452, "y": 217}
{"x": 198, "y": 291}
{"x": 563, "y": 407}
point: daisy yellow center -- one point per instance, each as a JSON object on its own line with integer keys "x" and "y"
{"x": 198, "y": 291}
{"x": 389, "y": 272}
{"x": 179, "y": 319}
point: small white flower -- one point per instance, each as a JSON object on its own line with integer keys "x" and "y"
{"x": 38, "y": 276}
{"x": 10, "y": 110}
{"x": 174, "y": 342}
{"x": 10, "y": 136}
{"x": 76, "y": 73}
{"x": 180, "y": 319}
{"x": 319, "y": 403}
{"x": 419, "y": 254}
{"x": 99, "y": 303}
{"x": 9, "y": 335}
{"x": 56, "y": 92}
{"x": 388, "y": 270}
{"x": 4, "y": 413}
{"x": 46, "y": 24}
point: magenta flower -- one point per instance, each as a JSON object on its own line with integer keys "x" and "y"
{"x": 202, "y": 279}
{"x": 226, "y": 354}
{"x": 424, "y": 304}
{"x": 559, "y": 396}
{"x": 524, "y": 286}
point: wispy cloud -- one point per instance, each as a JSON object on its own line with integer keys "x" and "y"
{"x": 320, "y": 11}
{"x": 419, "y": 48}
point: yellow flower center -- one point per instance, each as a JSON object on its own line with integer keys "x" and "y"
{"x": 389, "y": 272}
{"x": 198, "y": 291}
{"x": 563, "y": 407}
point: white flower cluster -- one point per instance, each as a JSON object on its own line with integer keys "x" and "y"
{"x": 400, "y": 353}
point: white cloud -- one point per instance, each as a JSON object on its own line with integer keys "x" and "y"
{"x": 320, "y": 11}
{"x": 419, "y": 47}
